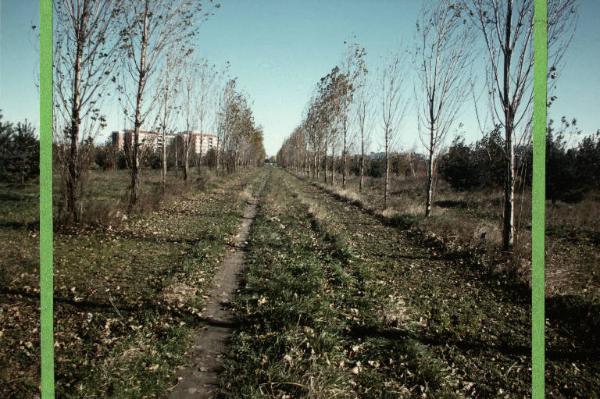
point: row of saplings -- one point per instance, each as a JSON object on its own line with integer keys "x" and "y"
{"x": 572, "y": 168}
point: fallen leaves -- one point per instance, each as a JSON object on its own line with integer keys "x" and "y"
{"x": 124, "y": 293}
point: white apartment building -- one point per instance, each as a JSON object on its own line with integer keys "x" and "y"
{"x": 201, "y": 142}
{"x": 123, "y": 139}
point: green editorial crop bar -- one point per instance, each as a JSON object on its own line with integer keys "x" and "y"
{"x": 539, "y": 196}
{"x": 46, "y": 233}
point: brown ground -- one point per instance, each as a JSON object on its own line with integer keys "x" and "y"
{"x": 199, "y": 379}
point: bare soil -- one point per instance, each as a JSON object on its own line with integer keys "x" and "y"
{"x": 199, "y": 379}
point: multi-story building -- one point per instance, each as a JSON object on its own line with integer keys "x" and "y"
{"x": 117, "y": 140}
{"x": 122, "y": 140}
{"x": 201, "y": 142}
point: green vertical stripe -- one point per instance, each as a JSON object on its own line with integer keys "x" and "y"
{"x": 538, "y": 201}
{"x": 46, "y": 272}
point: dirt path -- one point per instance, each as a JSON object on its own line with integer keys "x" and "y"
{"x": 198, "y": 380}
{"x": 338, "y": 304}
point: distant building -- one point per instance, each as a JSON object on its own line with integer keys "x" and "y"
{"x": 122, "y": 140}
{"x": 201, "y": 142}
{"x": 117, "y": 140}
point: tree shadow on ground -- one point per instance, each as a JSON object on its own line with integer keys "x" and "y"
{"x": 557, "y": 353}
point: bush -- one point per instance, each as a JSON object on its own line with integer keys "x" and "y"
{"x": 459, "y": 167}
{"x": 571, "y": 171}
{"x": 475, "y": 166}
{"x": 154, "y": 160}
{"x": 587, "y": 161}
{"x": 561, "y": 172}
{"x": 19, "y": 152}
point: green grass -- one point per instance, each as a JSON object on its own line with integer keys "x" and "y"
{"x": 127, "y": 294}
{"x": 481, "y": 318}
{"x": 306, "y": 309}
{"x": 472, "y": 221}
{"x": 19, "y": 222}
{"x": 290, "y": 326}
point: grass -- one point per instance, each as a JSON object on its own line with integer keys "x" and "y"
{"x": 572, "y": 304}
{"x": 127, "y": 294}
{"x": 471, "y": 222}
{"x": 105, "y": 198}
{"x": 338, "y": 300}
{"x": 19, "y": 334}
{"x": 336, "y": 304}
{"x": 287, "y": 317}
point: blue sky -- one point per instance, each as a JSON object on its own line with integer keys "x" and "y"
{"x": 19, "y": 60}
{"x": 279, "y": 50}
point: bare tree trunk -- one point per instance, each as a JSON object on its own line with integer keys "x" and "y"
{"x": 186, "y": 159}
{"x": 332, "y": 167}
{"x": 307, "y": 165}
{"x": 164, "y": 161}
{"x": 344, "y": 160}
{"x": 73, "y": 167}
{"x": 325, "y": 163}
{"x": 200, "y": 154}
{"x": 362, "y": 163}
{"x": 386, "y": 185}
{"x": 135, "y": 164}
{"x": 429, "y": 184}
{"x": 509, "y": 185}
{"x": 176, "y": 159}
{"x": 509, "y": 197}
{"x": 344, "y": 150}
{"x": 430, "y": 166}
{"x": 218, "y": 155}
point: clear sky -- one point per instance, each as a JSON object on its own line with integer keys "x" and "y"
{"x": 19, "y": 60}
{"x": 279, "y": 50}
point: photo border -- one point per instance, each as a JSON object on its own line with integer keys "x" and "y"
{"x": 46, "y": 223}
{"x": 537, "y": 203}
{"x": 538, "y": 197}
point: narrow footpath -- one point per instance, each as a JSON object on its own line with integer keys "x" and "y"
{"x": 199, "y": 379}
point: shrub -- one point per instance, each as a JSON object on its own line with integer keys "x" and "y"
{"x": 459, "y": 167}
{"x": 19, "y": 151}
{"x": 587, "y": 161}
{"x": 570, "y": 171}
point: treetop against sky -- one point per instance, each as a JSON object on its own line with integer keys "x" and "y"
{"x": 280, "y": 50}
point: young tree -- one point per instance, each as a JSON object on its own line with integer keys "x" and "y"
{"x": 363, "y": 113}
{"x": 442, "y": 57}
{"x": 332, "y": 88}
{"x": 353, "y": 69}
{"x": 150, "y": 29}
{"x": 507, "y": 31}
{"x": 314, "y": 131}
{"x": 226, "y": 119}
{"x": 240, "y": 138}
{"x": 393, "y": 108}
{"x": 204, "y": 83}
{"x": 85, "y": 53}
{"x": 223, "y": 80}
{"x": 168, "y": 93}
{"x": 189, "y": 87}
{"x": 292, "y": 152}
